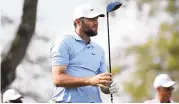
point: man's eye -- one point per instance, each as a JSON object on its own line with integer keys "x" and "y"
{"x": 92, "y": 19}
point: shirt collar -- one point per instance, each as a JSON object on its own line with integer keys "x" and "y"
{"x": 78, "y": 38}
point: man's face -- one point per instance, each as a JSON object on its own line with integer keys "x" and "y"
{"x": 165, "y": 92}
{"x": 90, "y": 26}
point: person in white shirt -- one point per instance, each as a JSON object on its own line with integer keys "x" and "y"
{"x": 164, "y": 87}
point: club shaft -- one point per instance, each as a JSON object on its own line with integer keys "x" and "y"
{"x": 109, "y": 50}
{"x": 109, "y": 44}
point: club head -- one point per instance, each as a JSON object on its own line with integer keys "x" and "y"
{"x": 113, "y": 6}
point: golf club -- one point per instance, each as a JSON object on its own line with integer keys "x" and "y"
{"x": 111, "y": 7}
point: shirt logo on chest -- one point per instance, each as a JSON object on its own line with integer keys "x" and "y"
{"x": 93, "y": 54}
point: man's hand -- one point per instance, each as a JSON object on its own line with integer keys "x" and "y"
{"x": 113, "y": 88}
{"x": 101, "y": 80}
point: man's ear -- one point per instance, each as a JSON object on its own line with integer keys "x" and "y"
{"x": 78, "y": 22}
{"x": 158, "y": 89}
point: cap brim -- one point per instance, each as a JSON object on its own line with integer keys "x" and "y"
{"x": 101, "y": 15}
{"x": 95, "y": 15}
{"x": 168, "y": 84}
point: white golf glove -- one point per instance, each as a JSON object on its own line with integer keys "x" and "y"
{"x": 114, "y": 88}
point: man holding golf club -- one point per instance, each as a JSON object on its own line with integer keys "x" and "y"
{"x": 78, "y": 63}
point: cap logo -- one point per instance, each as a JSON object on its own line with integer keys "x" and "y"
{"x": 91, "y": 9}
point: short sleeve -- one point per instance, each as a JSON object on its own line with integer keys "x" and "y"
{"x": 102, "y": 67}
{"x": 59, "y": 53}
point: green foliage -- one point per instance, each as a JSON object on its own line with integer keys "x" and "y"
{"x": 172, "y": 7}
{"x": 139, "y": 88}
{"x": 159, "y": 54}
{"x": 115, "y": 70}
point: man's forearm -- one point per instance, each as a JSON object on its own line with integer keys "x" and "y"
{"x": 64, "y": 80}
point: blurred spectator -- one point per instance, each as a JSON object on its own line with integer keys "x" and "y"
{"x": 12, "y": 96}
{"x": 164, "y": 87}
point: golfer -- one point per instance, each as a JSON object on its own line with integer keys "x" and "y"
{"x": 164, "y": 87}
{"x": 78, "y": 64}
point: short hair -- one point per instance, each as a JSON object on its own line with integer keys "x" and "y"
{"x": 74, "y": 23}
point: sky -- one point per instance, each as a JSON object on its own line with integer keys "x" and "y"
{"x": 55, "y": 17}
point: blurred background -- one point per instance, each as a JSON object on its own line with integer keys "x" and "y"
{"x": 144, "y": 43}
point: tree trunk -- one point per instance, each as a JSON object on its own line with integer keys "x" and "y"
{"x": 19, "y": 45}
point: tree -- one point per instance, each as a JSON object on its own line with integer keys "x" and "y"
{"x": 19, "y": 45}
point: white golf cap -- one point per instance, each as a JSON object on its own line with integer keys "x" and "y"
{"x": 11, "y": 94}
{"x": 86, "y": 10}
{"x": 163, "y": 80}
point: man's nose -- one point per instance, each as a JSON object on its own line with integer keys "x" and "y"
{"x": 96, "y": 21}
{"x": 169, "y": 93}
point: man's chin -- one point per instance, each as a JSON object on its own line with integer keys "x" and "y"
{"x": 93, "y": 35}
